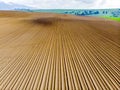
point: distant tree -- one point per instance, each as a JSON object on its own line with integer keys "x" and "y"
{"x": 66, "y": 12}
{"x": 116, "y": 13}
{"x": 106, "y": 12}
{"x": 96, "y": 12}
{"x": 86, "y": 12}
{"x": 103, "y": 12}
{"x": 90, "y": 12}
{"x": 83, "y": 14}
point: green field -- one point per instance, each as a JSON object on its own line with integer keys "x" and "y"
{"x": 112, "y": 18}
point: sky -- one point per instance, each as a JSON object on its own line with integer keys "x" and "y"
{"x": 67, "y": 4}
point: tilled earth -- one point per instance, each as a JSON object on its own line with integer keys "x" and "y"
{"x": 58, "y": 52}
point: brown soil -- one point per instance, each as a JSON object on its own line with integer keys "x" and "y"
{"x": 43, "y": 51}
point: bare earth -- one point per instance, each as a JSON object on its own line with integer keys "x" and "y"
{"x": 58, "y": 52}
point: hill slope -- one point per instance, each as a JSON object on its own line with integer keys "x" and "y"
{"x": 58, "y": 52}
